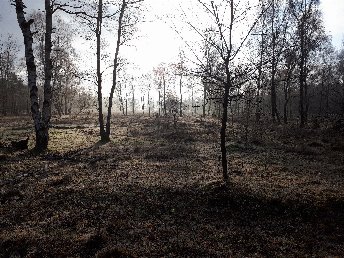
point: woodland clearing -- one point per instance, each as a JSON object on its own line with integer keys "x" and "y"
{"x": 156, "y": 191}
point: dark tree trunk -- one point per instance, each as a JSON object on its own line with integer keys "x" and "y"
{"x": 149, "y": 108}
{"x": 259, "y": 83}
{"x": 115, "y": 65}
{"x": 164, "y": 82}
{"x": 41, "y": 121}
{"x": 181, "y": 97}
{"x": 287, "y": 83}
{"x": 192, "y": 100}
{"x": 65, "y": 104}
{"x": 303, "y": 74}
{"x": 285, "y": 105}
{"x": 126, "y": 106}
{"x": 159, "y": 103}
{"x": 204, "y": 98}
{"x": 223, "y": 131}
{"x": 103, "y": 136}
{"x": 302, "y": 95}
{"x": 43, "y": 134}
{"x": 133, "y": 101}
{"x": 274, "y": 111}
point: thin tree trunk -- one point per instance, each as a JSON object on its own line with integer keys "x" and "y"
{"x": 103, "y": 136}
{"x": 133, "y": 100}
{"x": 192, "y": 100}
{"x": 115, "y": 64}
{"x": 126, "y": 106}
{"x": 204, "y": 99}
{"x": 164, "y": 82}
{"x": 260, "y": 68}
{"x": 149, "y": 108}
{"x": 159, "y": 103}
{"x": 181, "y": 96}
{"x": 306, "y": 94}
{"x": 287, "y": 83}
{"x": 223, "y": 131}
{"x": 343, "y": 100}
{"x": 302, "y": 74}
{"x": 209, "y": 106}
{"x": 274, "y": 112}
{"x": 6, "y": 84}
{"x": 259, "y": 83}
{"x": 285, "y": 105}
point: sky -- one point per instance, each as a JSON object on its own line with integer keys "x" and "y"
{"x": 156, "y": 41}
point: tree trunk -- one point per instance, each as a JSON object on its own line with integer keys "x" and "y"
{"x": 223, "y": 131}
{"x": 133, "y": 101}
{"x": 209, "y": 106}
{"x": 192, "y": 100}
{"x": 65, "y": 104}
{"x": 302, "y": 75}
{"x": 204, "y": 98}
{"x": 259, "y": 83}
{"x": 285, "y": 113}
{"x": 342, "y": 99}
{"x": 115, "y": 65}
{"x": 274, "y": 111}
{"x": 164, "y": 82}
{"x": 103, "y": 136}
{"x": 6, "y": 86}
{"x": 41, "y": 123}
{"x": 181, "y": 96}
{"x": 126, "y": 106}
{"x": 159, "y": 103}
{"x": 42, "y": 138}
{"x": 306, "y": 95}
{"x": 302, "y": 110}
{"x": 285, "y": 105}
{"x": 30, "y": 62}
{"x": 149, "y": 108}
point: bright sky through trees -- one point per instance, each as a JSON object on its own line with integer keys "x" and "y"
{"x": 156, "y": 40}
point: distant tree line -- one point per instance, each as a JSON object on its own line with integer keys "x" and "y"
{"x": 13, "y": 92}
{"x": 282, "y": 68}
{"x": 69, "y": 96}
{"x": 293, "y": 73}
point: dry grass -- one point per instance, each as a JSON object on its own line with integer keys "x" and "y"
{"x": 156, "y": 191}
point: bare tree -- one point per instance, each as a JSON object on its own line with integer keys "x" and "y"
{"x": 126, "y": 21}
{"x": 223, "y": 44}
{"x": 309, "y": 33}
{"x": 115, "y": 67}
{"x": 274, "y": 111}
{"x": 8, "y": 54}
{"x": 288, "y": 77}
{"x": 40, "y": 117}
{"x": 161, "y": 74}
{"x": 181, "y": 71}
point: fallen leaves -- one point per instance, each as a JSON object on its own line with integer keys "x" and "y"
{"x": 156, "y": 191}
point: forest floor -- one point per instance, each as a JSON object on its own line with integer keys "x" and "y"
{"x": 155, "y": 191}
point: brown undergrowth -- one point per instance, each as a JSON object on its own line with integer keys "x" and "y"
{"x": 155, "y": 191}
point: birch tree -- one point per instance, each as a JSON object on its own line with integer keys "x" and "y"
{"x": 41, "y": 117}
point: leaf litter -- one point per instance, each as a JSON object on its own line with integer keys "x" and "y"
{"x": 156, "y": 191}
